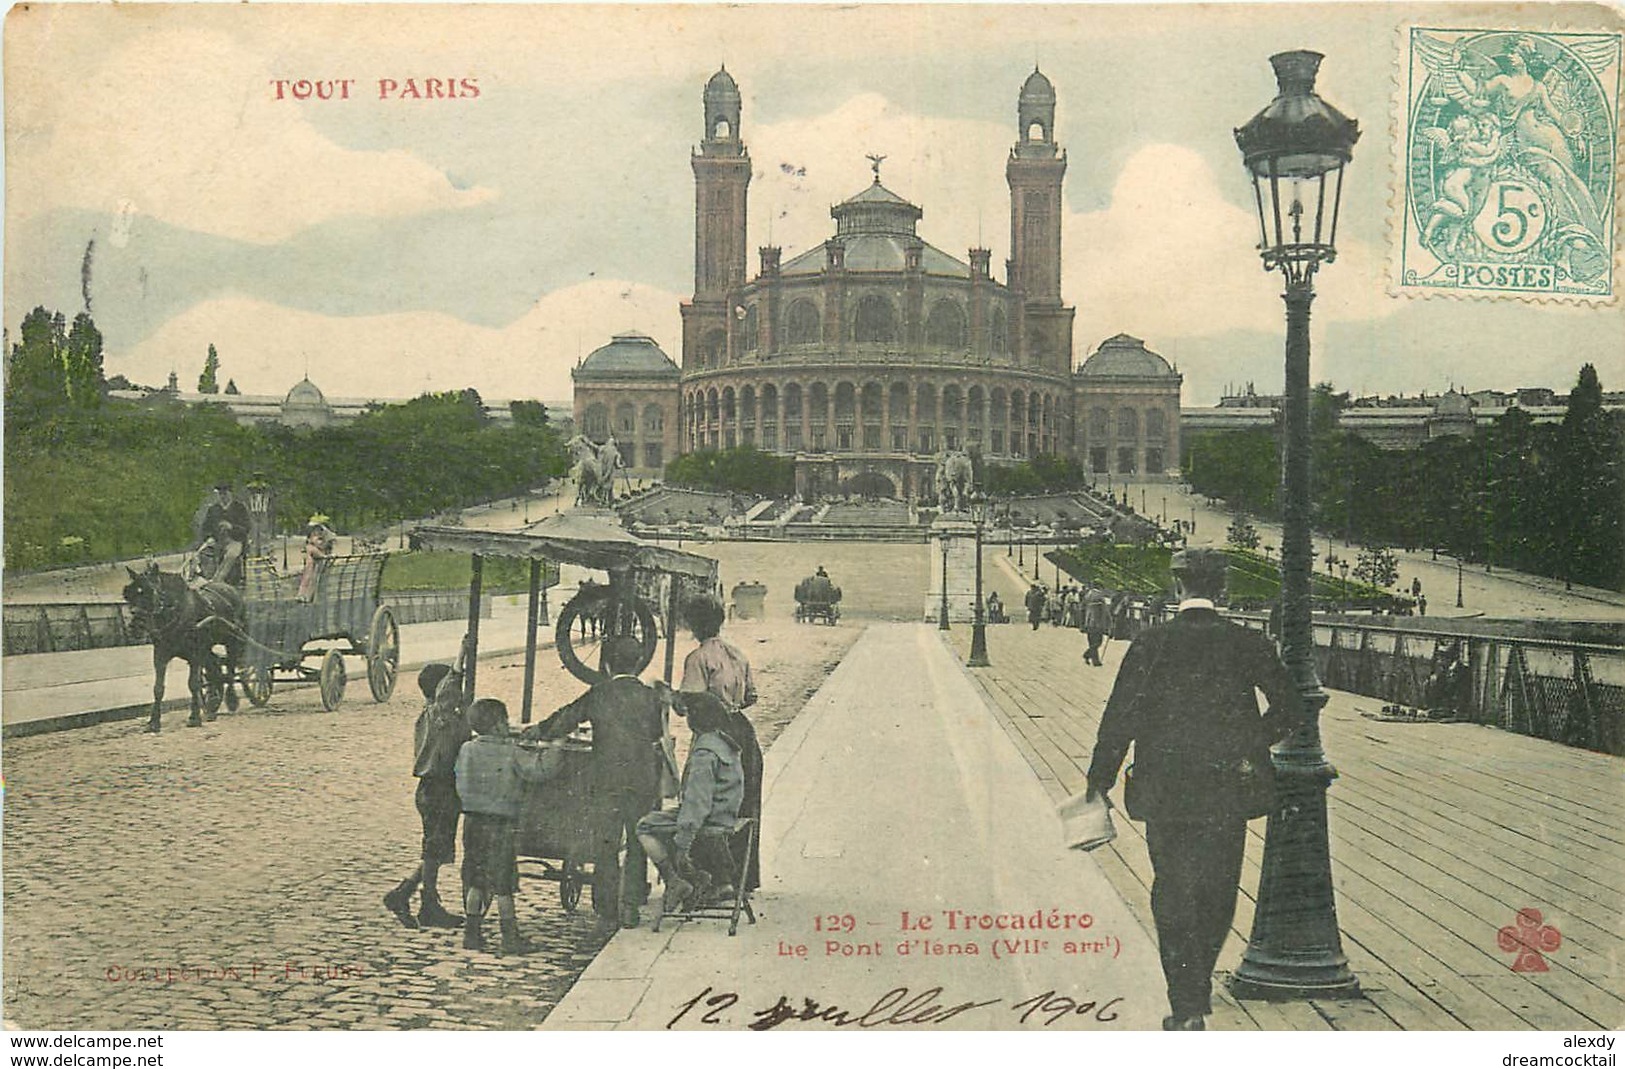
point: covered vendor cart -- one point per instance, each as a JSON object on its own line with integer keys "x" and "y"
{"x": 560, "y": 824}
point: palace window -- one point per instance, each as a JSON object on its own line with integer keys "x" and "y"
{"x": 802, "y": 326}
{"x": 945, "y": 326}
{"x": 876, "y": 321}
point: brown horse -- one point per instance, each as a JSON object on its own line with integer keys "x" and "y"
{"x": 188, "y": 624}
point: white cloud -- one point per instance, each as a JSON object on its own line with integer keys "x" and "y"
{"x": 266, "y": 347}
{"x": 184, "y": 126}
{"x": 1170, "y": 256}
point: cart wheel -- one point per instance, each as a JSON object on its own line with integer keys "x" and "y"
{"x": 256, "y": 680}
{"x": 383, "y": 654}
{"x": 332, "y": 680}
{"x": 213, "y": 695}
{"x": 615, "y": 614}
{"x": 570, "y": 891}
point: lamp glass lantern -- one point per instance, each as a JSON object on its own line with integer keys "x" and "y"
{"x": 1295, "y": 151}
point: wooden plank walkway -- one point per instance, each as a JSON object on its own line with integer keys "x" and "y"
{"x": 1440, "y": 834}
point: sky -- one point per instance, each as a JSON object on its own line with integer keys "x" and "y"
{"x": 388, "y": 240}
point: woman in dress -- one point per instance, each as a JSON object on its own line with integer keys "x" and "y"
{"x": 319, "y": 539}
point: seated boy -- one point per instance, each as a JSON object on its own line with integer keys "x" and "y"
{"x": 713, "y": 788}
{"x": 492, "y": 769}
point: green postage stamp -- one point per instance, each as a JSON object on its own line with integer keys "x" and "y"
{"x": 1508, "y": 146}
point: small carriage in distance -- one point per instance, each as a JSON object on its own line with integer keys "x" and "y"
{"x": 345, "y": 617}
{"x": 818, "y": 600}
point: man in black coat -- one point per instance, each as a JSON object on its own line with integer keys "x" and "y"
{"x": 1184, "y": 697}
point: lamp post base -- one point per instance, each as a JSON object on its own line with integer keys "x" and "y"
{"x": 1296, "y": 948}
{"x": 978, "y": 646}
{"x": 1289, "y": 979}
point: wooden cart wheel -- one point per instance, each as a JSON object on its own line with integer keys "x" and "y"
{"x": 570, "y": 888}
{"x": 332, "y": 680}
{"x": 383, "y": 654}
{"x": 616, "y": 614}
{"x": 213, "y": 694}
{"x": 256, "y": 680}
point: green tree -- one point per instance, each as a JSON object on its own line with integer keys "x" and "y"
{"x": 1588, "y": 488}
{"x": 37, "y": 379}
{"x": 743, "y": 470}
{"x": 209, "y": 381}
{"x": 231, "y": 388}
{"x": 1242, "y": 534}
{"x": 1378, "y": 566}
{"x": 528, "y": 413}
{"x": 82, "y": 377}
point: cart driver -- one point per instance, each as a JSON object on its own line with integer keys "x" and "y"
{"x": 628, "y": 722}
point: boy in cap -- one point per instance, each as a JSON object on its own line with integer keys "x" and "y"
{"x": 713, "y": 790}
{"x": 492, "y": 770}
{"x": 438, "y": 736}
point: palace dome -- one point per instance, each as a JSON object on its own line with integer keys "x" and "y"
{"x": 1122, "y": 356}
{"x": 628, "y": 355}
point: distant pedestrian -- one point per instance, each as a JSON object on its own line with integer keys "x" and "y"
{"x": 1097, "y": 621}
{"x": 1422, "y": 604}
{"x": 437, "y": 737}
{"x": 492, "y": 770}
{"x": 1416, "y": 587}
{"x": 1184, "y": 698}
{"x": 1035, "y": 604}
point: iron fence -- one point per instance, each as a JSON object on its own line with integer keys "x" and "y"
{"x": 1563, "y": 691}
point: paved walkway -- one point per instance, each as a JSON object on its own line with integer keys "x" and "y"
{"x": 1440, "y": 834}
{"x": 1496, "y": 593}
{"x": 894, "y": 792}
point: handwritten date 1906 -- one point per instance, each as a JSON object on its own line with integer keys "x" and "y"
{"x": 897, "y": 1008}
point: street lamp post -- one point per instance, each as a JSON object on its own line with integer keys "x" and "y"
{"x": 942, "y": 607}
{"x": 1294, "y": 151}
{"x": 1458, "y": 583}
{"x": 1343, "y": 566}
{"x": 978, "y": 627}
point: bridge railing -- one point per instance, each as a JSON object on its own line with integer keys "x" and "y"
{"x": 31, "y": 627}
{"x": 1564, "y": 691}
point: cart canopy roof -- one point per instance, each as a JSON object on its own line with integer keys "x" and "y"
{"x": 584, "y": 541}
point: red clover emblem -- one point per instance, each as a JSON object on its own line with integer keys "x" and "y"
{"x": 1527, "y": 937}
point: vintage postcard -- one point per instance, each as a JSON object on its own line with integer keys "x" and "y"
{"x": 910, "y": 518}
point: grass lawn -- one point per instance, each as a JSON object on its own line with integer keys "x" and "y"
{"x": 445, "y": 570}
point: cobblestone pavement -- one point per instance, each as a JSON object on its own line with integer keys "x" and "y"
{"x": 230, "y": 876}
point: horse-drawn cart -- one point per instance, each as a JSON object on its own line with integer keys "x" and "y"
{"x": 561, "y": 822}
{"x": 818, "y": 601}
{"x": 345, "y": 617}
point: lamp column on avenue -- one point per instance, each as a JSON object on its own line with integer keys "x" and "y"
{"x": 978, "y": 627}
{"x": 1295, "y": 151}
{"x": 942, "y": 608}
